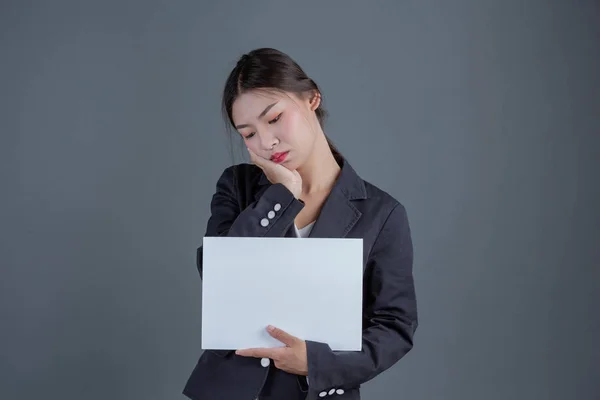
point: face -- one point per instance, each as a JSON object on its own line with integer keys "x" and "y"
{"x": 277, "y": 126}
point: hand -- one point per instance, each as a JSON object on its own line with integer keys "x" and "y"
{"x": 277, "y": 173}
{"x": 290, "y": 358}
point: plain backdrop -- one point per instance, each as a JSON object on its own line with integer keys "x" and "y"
{"x": 481, "y": 117}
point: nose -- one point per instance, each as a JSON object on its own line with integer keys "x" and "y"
{"x": 267, "y": 139}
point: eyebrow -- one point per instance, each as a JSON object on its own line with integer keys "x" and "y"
{"x": 262, "y": 114}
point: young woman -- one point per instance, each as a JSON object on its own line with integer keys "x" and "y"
{"x": 299, "y": 185}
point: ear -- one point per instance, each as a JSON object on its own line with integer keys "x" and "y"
{"x": 314, "y": 100}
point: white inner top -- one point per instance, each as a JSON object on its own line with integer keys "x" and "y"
{"x": 304, "y": 232}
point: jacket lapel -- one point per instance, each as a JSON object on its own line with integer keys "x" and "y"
{"x": 337, "y": 217}
{"x": 338, "y": 214}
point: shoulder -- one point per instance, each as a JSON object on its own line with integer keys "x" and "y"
{"x": 365, "y": 194}
{"x": 389, "y": 224}
{"x": 380, "y": 195}
{"x": 381, "y": 200}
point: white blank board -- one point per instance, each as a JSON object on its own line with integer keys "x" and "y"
{"x": 309, "y": 287}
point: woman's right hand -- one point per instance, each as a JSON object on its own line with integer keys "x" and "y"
{"x": 277, "y": 173}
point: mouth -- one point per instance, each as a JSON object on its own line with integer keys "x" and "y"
{"x": 279, "y": 157}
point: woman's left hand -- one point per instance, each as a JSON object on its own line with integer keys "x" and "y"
{"x": 290, "y": 358}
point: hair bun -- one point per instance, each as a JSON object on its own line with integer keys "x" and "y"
{"x": 243, "y": 59}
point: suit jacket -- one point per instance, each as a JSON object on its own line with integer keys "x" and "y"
{"x": 241, "y": 206}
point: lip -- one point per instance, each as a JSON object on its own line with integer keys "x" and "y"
{"x": 279, "y": 157}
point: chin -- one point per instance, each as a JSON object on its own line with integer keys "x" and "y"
{"x": 291, "y": 165}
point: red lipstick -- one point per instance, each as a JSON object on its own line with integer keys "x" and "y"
{"x": 279, "y": 157}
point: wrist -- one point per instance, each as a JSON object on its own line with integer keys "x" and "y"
{"x": 294, "y": 190}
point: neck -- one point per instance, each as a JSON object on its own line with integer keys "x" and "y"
{"x": 321, "y": 170}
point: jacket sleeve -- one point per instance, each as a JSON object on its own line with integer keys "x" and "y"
{"x": 389, "y": 314}
{"x": 270, "y": 216}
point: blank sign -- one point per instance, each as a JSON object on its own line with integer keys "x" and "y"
{"x": 309, "y": 287}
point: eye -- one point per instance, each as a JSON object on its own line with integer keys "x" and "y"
{"x": 248, "y": 136}
{"x": 275, "y": 119}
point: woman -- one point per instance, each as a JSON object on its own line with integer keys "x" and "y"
{"x": 299, "y": 185}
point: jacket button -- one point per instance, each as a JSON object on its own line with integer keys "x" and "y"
{"x": 322, "y": 394}
{"x": 265, "y": 362}
{"x": 332, "y": 391}
{"x": 340, "y": 391}
{"x": 271, "y": 214}
{"x": 277, "y": 207}
{"x": 264, "y": 222}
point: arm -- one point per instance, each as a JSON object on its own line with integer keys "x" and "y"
{"x": 389, "y": 314}
{"x": 227, "y": 219}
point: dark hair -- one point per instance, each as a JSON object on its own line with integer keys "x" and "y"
{"x": 267, "y": 68}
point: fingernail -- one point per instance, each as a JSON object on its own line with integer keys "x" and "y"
{"x": 270, "y": 328}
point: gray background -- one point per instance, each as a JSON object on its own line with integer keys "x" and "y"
{"x": 481, "y": 117}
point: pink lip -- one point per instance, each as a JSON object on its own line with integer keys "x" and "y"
{"x": 279, "y": 157}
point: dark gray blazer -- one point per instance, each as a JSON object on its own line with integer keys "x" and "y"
{"x": 354, "y": 209}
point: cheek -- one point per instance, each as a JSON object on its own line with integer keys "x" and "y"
{"x": 290, "y": 128}
{"x": 254, "y": 146}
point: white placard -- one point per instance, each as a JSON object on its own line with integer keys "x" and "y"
{"x": 309, "y": 287}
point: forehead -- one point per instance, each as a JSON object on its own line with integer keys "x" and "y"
{"x": 248, "y": 105}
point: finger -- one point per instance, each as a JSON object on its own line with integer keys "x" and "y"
{"x": 263, "y": 162}
{"x": 255, "y": 159}
{"x": 251, "y": 352}
{"x": 252, "y": 155}
{"x": 282, "y": 336}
